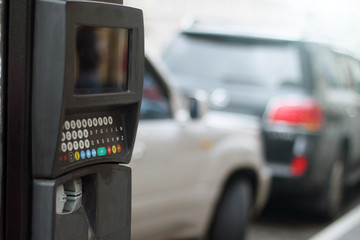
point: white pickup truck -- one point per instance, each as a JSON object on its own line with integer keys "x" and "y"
{"x": 194, "y": 173}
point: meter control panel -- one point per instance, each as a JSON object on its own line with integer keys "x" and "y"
{"x": 87, "y": 84}
{"x": 88, "y": 137}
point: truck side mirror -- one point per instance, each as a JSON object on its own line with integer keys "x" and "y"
{"x": 198, "y": 104}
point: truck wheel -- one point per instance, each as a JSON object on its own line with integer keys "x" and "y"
{"x": 334, "y": 191}
{"x": 233, "y": 212}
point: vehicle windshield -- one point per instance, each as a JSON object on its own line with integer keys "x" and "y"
{"x": 235, "y": 61}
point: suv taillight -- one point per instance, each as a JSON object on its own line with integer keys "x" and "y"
{"x": 302, "y": 112}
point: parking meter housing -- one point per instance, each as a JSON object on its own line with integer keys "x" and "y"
{"x": 82, "y": 136}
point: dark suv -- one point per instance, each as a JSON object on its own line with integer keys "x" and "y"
{"x": 306, "y": 92}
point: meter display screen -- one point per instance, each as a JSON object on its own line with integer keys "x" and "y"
{"x": 101, "y": 64}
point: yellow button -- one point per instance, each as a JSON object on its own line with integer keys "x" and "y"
{"x": 114, "y": 149}
{"x": 77, "y": 156}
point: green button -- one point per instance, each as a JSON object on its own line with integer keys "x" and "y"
{"x": 101, "y": 151}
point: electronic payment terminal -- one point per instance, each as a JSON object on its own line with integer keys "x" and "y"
{"x": 86, "y": 89}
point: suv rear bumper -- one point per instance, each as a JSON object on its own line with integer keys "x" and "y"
{"x": 281, "y": 147}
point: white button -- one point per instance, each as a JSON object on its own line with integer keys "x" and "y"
{"x": 76, "y": 145}
{"x": 87, "y": 143}
{"x": 81, "y": 144}
{"x": 78, "y": 123}
{"x": 100, "y": 121}
{"x": 70, "y": 146}
{"x": 84, "y": 123}
{"x": 86, "y": 133}
{"x": 63, "y": 147}
{"x": 73, "y": 124}
{"x": 95, "y": 122}
{"x": 62, "y": 137}
{"x": 110, "y": 120}
{"x": 80, "y": 134}
{"x": 74, "y": 135}
{"x": 89, "y": 122}
{"x": 68, "y": 136}
{"x": 105, "y": 120}
{"x": 67, "y": 125}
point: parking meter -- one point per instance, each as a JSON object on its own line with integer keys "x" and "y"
{"x": 87, "y": 84}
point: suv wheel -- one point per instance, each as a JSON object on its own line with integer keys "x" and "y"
{"x": 334, "y": 191}
{"x": 233, "y": 212}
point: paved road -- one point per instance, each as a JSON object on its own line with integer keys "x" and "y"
{"x": 280, "y": 222}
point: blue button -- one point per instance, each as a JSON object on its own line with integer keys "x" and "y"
{"x": 93, "y": 151}
{"x": 88, "y": 153}
{"x": 82, "y": 154}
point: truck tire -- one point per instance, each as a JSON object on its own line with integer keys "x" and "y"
{"x": 233, "y": 212}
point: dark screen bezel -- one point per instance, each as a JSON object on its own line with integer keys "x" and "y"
{"x": 107, "y": 16}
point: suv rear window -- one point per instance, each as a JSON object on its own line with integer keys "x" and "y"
{"x": 234, "y": 60}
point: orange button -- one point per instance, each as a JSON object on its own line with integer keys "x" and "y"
{"x": 118, "y": 148}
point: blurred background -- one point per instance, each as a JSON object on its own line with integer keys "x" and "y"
{"x": 338, "y": 20}
{"x": 332, "y": 21}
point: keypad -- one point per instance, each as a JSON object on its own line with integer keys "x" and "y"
{"x": 93, "y": 137}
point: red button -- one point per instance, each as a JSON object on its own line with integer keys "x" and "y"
{"x": 65, "y": 158}
{"x": 60, "y": 158}
{"x": 109, "y": 150}
{"x": 118, "y": 148}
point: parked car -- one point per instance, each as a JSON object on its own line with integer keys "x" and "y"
{"x": 194, "y": 177}
{"x": 306, "y": 92}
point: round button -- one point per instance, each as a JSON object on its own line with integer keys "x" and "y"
{"x": 87, "y": 143}
{"x": 86, "y": 133}
{"x": 81, "y": 144}
{"x": 89, "y": 122}
{"x": 84, "y": 123}
{"x": 67, "y": 125}
{"x": 74, "y": 135}
{"x": 88, "y": 153}
{"x": 76, "y": 145}
{"x": 77, "y": 156}
{"x": 65, "y": 158}
{"x": 95, "y": 122}
{"x": 78, "y": 123}
{"x": 62, "y": 137}
{"x": 63, "y": 147}
{"x": 118, "y": 148}
{"x": 109, "y": 150}
{"x": 100, "y": 121}
{"x": 110, "y": 120}
{"x": 71, "y": 157}
{"x": 113, "y": 149}
{"x": 82, "y": 155}
{"x": 70, "y": 146}
{"x": 93, "y": 152}
{"x": 73, "y": 124}
{"x": 68, "y": 136}
{"x": 105, "y": 121}
{"x": 80, "y": 134}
